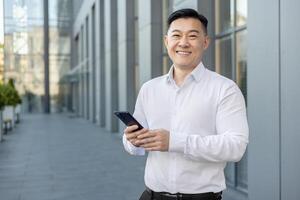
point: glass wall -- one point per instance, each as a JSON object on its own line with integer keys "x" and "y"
{"x": 1, "y": 41}
{"x": 24, "y": 49}
{"x": 60, "y": 12}
{"x": 231, "y": 61}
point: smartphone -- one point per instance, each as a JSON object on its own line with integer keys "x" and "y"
{"x": 128, "y": 119}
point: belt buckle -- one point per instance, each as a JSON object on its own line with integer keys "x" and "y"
{"x": 175, "y": 196}
{"x": 179, "y": 196}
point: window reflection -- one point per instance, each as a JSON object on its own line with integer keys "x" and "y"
{"x": 241, "y": 61}
{"x": 224, "y": 56}
{"x": 24, "y": 49}
{"x": 24, "y": 39}
{"x": 1, "y": 42}
{"x": 224, "y": 15}
{"x": 241, "y": 12}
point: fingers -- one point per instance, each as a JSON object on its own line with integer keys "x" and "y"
{"x": 146, "y": 135}
{"x": 132, "y": 134}
{"x": 130, "y": 129}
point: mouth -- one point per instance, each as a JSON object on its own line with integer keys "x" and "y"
{"x": 183, "y": 53}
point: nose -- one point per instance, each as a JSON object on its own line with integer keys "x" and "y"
{"x": 184, "y": 42}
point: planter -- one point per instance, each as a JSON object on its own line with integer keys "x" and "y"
{"x": 1, "y": 128}
{"x": 17, "y": 113}
{"x": 8, "y": 118}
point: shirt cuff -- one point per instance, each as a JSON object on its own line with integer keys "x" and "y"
{"x": 177, "y": 142}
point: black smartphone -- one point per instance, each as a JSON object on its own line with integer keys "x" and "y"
{"x": 128, "y": 119}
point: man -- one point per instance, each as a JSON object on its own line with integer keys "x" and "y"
{"x": 194, "y": 119}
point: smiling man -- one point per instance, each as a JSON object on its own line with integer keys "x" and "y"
{"x": 195, "y": 120}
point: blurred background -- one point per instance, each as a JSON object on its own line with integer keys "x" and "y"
{"x": 89, "y": 58}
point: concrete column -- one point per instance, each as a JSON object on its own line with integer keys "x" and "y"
{"x": 264, "y": 99}
{"x": 81, "y": 95}
{"x": 150, "y": 39}
{"x": 126, "y": 56}
{"x": 111, "y": 63}
{"x": 86, "y": 67}
{"x": 92, "y": 67}
{"x": 290, "y": 98}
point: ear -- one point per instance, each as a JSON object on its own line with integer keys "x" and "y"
{"x": 166, "y": 41}
{"x": 206, "y": 42}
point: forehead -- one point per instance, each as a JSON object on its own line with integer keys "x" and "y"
{"x": 186, "y": 24}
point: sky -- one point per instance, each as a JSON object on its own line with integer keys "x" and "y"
{"x": 1, "y": 23}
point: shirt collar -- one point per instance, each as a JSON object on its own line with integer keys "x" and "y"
{"x": 196, "y": 74}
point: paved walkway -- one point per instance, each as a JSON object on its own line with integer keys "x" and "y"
{"x": 55, "y": 157}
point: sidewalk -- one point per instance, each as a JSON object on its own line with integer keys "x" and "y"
{"x": 54, "y": 157}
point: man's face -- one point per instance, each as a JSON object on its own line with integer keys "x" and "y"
{"x": 186, "y": 41}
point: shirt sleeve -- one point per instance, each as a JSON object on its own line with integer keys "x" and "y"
{"x": 139, "y": 114}
{"x": 231, "y": 138}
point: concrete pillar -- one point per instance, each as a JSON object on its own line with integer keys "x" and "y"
{"x": 150, "y": 39}
{"x": 111, "y": 63}
{"x": 263, "y": 100}
{"x": 126, "y": 56}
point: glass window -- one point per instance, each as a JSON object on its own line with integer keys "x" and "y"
{"x": 241, "y": 79}
{"x": 1, "y": 42}
{"x": 231, "y": 61}
{"x": 242, "y": 175}
{"x": 224, "y": 56}
{"x": 24, "y": 50}
{"x": 230, "y": 173}
{"x": 241, "y": 61}
{"x": 224, "y": 15}
{"x": 241, "y": 12}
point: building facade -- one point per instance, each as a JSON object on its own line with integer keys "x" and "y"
{"x": 118, "y": 45}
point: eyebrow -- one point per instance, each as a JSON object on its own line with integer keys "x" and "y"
{"x": 193, "y": 30}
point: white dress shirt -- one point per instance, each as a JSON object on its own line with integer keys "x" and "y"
{"x": 206, "y": 117}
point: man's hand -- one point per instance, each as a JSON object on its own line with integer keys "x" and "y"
{"x": 131, "y": 134}
{"x": 154, "y": 140}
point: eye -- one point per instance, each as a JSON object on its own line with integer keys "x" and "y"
{"x": 193, "y": 37}
{"x": 175, "y": 36}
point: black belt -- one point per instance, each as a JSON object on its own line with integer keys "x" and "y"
{"x": 180, "y": 196}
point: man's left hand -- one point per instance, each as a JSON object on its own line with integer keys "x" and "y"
{"x": 154, "y": 140}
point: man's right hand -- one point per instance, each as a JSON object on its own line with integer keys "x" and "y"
{"x": 131, "y": 134}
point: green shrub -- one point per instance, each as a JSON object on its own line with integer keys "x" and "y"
{"x": 2, "y": 97}
{"x": 8, "y": 96}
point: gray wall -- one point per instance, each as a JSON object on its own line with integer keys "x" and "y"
{"x": 273, "y": 99}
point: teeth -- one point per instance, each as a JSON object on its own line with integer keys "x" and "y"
{"x": 183, "y": 52}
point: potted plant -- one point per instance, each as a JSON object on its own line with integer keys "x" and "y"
{"x": 2, "y": 104}
{"x": 17, "y": 107}
{"x": 10, "y": 101}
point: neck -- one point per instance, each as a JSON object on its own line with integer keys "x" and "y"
{"x": 180, "y": 74}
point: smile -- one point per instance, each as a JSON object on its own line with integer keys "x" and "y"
{"x": 183, "y": 52}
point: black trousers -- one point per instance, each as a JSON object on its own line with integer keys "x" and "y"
{"x": 149, "y": 196}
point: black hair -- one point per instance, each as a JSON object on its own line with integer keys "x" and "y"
{"x": 188, "y": 13}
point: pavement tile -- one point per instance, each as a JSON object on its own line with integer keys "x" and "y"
{"x": 54, "y": 157}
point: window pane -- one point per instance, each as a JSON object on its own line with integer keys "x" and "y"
{"x": 24, "y": 50}
{"x": 241, "y": 12}
{"x": 1, "y": 41}
{"x": 224, "y": 15}
{"x": 241, "y": 61}
{"x": 224, "y": 56}
{"x": 241, "y": 78}
{"x": 230, "y": 174}
{"x": 242, "y": 175}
